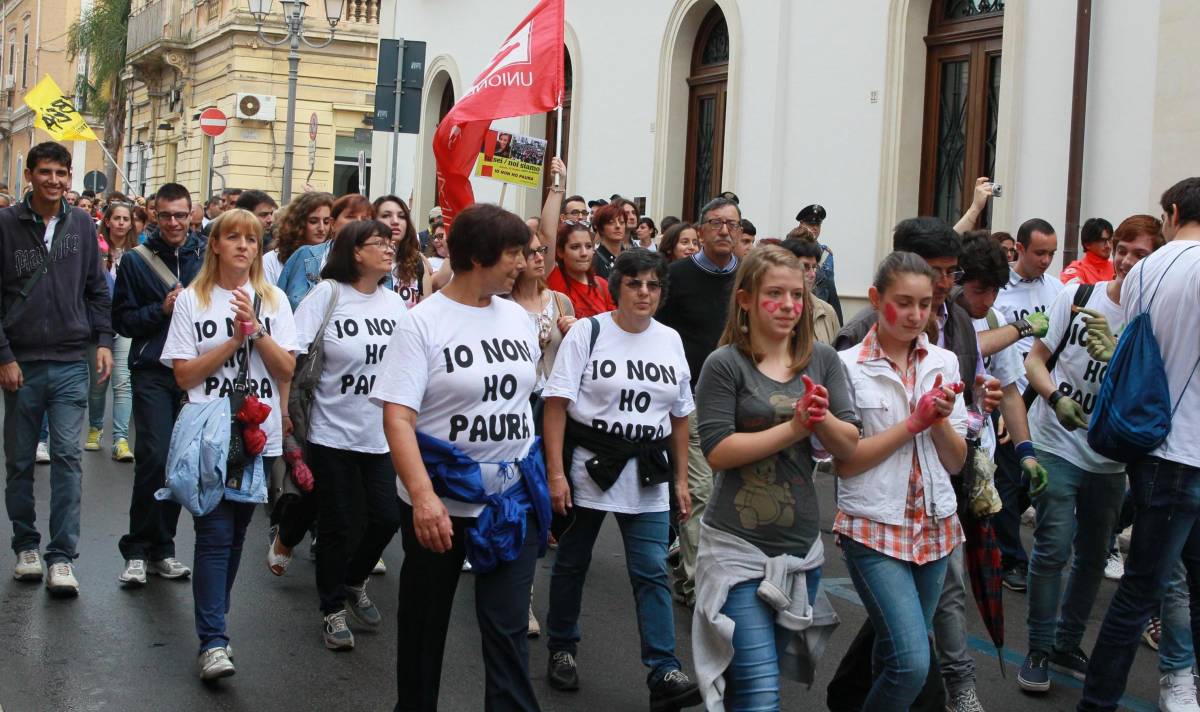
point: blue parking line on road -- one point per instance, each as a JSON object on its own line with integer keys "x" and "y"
{"x": 843, "y": 588}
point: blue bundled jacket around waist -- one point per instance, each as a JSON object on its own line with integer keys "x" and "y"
{"x": 499, "y": 532}
{"x": 196, "y": 461}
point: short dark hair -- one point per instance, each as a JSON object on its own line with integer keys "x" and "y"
{"x": 251, "y": 199}
{"x": 231, "y": 191}
{"x": 668, "y": 221}
{"x": 341, "y": 265}
{"x": 88, "y": 194}
{"x": 631, "y": 263}
{"x": 1030, "y": 226}
{"x": 172, "y": 191}
{"x": 1093, "y": 230}
{"x": 481, "y": 233}
{"x": 51, "y": 151}
{"x": 717, "y": 204}
{"x": 574, "y": 199}
{"x": 748, "y": 228}
{"x": 212, "y": 200}
{"x": 802, "y": 248}
{"x": 1184, "y": 195}
{"x": 645, "y": 220}
{"x": 928, "y": 237}
{"x": 983, "y": 261}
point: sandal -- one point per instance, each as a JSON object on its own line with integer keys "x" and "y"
{"x": 277, "y": 563}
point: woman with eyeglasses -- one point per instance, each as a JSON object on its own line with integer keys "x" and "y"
{"x": 436, "y": 249}
{"x": 616, "y": 432}
{"x": 1008, "y": 242}
{"x": 347, "y": 451}
{"x": 679, "y": 241}
{"x": 551, "y": 312}
{"x": 413, "y": 274}
{"x": 305, "y": 221}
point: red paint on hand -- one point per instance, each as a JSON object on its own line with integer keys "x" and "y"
{"x": 813, "y": 406}
{"x": 926, "y": 413}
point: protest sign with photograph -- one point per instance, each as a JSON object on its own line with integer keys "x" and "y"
{"x": 512, "y": 158}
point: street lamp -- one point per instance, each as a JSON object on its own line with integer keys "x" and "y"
{"x": 293, "y": 17}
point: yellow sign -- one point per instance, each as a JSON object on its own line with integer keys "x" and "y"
{"x": 512, "y": 158}
{"x": 56, "y": 115}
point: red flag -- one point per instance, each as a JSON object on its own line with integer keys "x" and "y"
{"x": 524, "y": 77}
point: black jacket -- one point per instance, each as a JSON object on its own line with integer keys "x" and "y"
{"x": 612, "y": 452}
{"x": 137, "y": 300}
{"x": 69, "y": 306}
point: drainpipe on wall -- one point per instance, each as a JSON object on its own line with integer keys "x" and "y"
{"x": 1083, "y": 38}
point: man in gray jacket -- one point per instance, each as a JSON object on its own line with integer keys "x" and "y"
{"x": 54, "y": 301}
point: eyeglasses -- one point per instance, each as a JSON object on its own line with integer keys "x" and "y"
{"x": 164, "y": 216}
{"x": 576, "y": 213}
{"x": 385, "y": 245}
{"x": 579, "y": 223}
{"x": 650, "y": 284}
{"x": 538, "y": 251}
{"x": 735, "y": 226}
{"x": 1012, "y": 253}
{"x": 942, "y": 273}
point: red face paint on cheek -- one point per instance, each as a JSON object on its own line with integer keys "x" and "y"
{"x": 889, "y": 314}
{"x": 770, "y": 306}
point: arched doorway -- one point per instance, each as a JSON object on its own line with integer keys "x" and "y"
{"x": 444, "y": 105}
{"x": 962, "y": 90}
{"x": 708, "y": 90}
{"x": 552, "y": 139}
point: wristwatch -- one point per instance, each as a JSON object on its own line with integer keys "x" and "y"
{"x": 258, "y": 332}
{"x": 1024, "y": 328}
{"x": 1054, "y": 398}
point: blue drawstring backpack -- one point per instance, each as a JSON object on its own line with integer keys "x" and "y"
{"x": 1133, "y": 410}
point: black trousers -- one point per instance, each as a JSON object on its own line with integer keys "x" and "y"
{"x": 359, "y": 514}
{"x": 295, "y": 515}
{"x": 1013, "y": 487}
{"x": 152, "y": 523}
{"x": 427, "y": 585}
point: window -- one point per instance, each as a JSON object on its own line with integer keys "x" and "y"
{"x": 25, "y": 60}
{"x": 962, "y": 89}
{"x": 707, "y": 96}
{"x": 345, "y": 165}
{"x": 552, "y": 146}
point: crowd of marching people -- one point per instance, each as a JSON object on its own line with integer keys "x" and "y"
{"x": 490, "y": 389}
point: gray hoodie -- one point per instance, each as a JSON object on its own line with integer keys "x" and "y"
{"x": 70, "y": 306}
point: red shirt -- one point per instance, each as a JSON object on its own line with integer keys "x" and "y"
{"x": 588, "y": 301}
{"x": 1089, "y": 270}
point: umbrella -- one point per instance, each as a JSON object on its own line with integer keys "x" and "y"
{"x": 983, "y": 567}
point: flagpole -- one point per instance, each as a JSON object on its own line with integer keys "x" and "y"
{"x": 503, "y": 193}
{"x": 558, "y": 142}
{"x": 114, "y": 162}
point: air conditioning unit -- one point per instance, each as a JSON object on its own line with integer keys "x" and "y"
{"x": 10, "y": 82}
{"x": 255, "y": 107}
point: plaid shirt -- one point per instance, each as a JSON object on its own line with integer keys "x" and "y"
{"x": 920, "y": 539}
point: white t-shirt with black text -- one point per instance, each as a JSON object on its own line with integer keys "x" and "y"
{"x": 468, "y": 372}
{"x": 195, "y": 331}
{"x": 1022, "y": 297}
{"x": 1173, "y": 314}
{"x": 1076, "y": 375}
{"x": 630, "y": 386}
{"x": 356, "y": 340}
{"x": 1005, "y": 366}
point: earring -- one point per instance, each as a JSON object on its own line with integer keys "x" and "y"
{"x": 743, "y": 321}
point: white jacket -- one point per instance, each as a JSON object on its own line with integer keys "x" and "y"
{"x": 879, "y": 494}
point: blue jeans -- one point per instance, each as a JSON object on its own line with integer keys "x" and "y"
{"x": 57, "y": 389}
{"x": 1175, "y": 651}
{"x": 645, "y": 539}
{"x": 219, "y": 537}
{"x": 1166, "y": 501}
{"x": 122, "y": 394}
{"x": 752, "y": 678}
{"x": 900, "y": 598}
{"x": 1077, "y": 509}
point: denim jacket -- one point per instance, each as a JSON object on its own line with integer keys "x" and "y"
{"x": 499, "y": 531}
{"x": 196, "y": 461}
{"x": 302, "y": 272}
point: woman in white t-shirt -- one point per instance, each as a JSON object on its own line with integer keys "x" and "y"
{"x": 455, "y": 387}
{"x": 213, "y": 323}
{"x": 616, "y": 422}
{"x": 412, "y": 274}
{"x": 347, "y": 451}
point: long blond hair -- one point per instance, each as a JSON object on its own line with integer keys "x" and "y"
{"x": 245, "y": 221}
{"x": 748, "y": 279}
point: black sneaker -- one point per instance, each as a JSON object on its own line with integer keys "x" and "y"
{"x": 673, "y": 691}
{"x": 1073, "y": 663}
{"x": 1035, "y": 673}
{"x": 561, "y": 672}
{"x": 1015, "y": 578}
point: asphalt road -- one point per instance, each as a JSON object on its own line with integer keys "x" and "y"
{"x": 116, "y": 649}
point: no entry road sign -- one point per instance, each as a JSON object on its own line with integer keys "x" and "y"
{"x": 213, "y": 122}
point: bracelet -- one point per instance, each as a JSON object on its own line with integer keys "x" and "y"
{"x": 1024, "y": 328}
{"x": 1025, "y": 450}
{"x": 285, "y": 415}
{"x": 1054, "y": 398}
{"x": 558, "y": 190}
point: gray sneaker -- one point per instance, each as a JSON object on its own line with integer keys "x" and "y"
{"x": 965, "y": 701}
{"x": 29, "y": 566}
{"x": 215, "y": 664}
{"x": 361, "y": 607}
{"x": 62, "y": 581}
{"x": 134, "y": 573}
{"x": 169, "y": 568}
{"x": 337, "y": 632}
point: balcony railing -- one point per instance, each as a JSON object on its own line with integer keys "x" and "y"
{"x": 364, "y": 11}
{"x": 158, "y": 20}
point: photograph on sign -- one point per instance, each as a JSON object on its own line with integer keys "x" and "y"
{"x": 512, "y": 158}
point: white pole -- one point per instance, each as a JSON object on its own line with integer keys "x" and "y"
{"x": 558, "y": 142}
{"x": 503, "y": 193}
{"x": 114, "y": 162}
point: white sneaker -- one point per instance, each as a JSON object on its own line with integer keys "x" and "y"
{"x": 380, "y": 568}
{"x": 62, "y": 581}
{"x": 535, "y": 628}
{"x": 43, "y": 454}
{"x": 134, "y": 573}
{"x": 215, "y": 664}
{"x": 466, "y": 565}
{"x": 1177, "y": 692}
{"x": 1029, "y": 517}
{"x": 169, "y": 568}
{"x": 1115, "y": 568}
{"x": 29, "y": 566}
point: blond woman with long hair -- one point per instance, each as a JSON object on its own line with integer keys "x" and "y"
{"x": 765, "y": 397}
{"x": 227, "y": 312}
